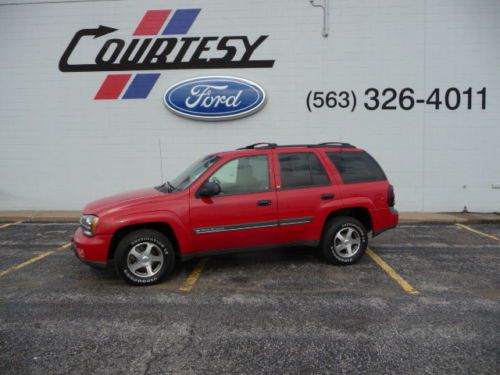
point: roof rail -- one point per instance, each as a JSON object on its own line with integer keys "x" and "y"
{"x": 259, "y": 145}
{"x": 334, "y": 144}
{"x": 267, "y": 145}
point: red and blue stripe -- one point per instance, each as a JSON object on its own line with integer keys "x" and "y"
{"x": 154, "y": 22}
{"x": 181, "y": 21}
{"x": 178, "y": 24}
{"x": 115, "y": 84}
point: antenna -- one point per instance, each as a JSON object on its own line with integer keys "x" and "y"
{"x": 161, "y": 161}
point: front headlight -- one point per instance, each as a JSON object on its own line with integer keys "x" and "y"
{"x": 89, "y": 224}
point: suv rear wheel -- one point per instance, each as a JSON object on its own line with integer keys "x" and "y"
{"x": 144, "y": 257}
{"x": 344, "y": 240}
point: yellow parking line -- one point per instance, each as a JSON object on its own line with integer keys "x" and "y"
{"x": 9, "y": 224}
{"x": 390, "y": 271}
{"x": 477, "y": 231}
{"x": 193, "y": 276}
{"x": 34, "y": 259}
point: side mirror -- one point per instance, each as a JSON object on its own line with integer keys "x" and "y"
{"x": 209, "y": 189}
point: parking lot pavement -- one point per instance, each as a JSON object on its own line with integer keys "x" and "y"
{"x": 282, "y": 311}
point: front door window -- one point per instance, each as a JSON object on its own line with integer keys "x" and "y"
{"x": 245, "y": 175}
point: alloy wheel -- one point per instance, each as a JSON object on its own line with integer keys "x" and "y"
{"x": 346, "y": 242}
{"x": 145, "y": 259}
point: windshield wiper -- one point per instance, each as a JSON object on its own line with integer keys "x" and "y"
{"x": 171, "y": 187}
{"x": 166, "y": 187}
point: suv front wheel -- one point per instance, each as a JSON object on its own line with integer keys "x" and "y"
{"x": 344, "y": 240}
{"x": 144, "y": 257}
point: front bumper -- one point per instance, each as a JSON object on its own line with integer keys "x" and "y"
{"x": 91, "y": 250}
{"x": 88, "y": 262}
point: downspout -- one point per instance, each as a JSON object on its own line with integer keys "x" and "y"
{"x": 324, "y": 6}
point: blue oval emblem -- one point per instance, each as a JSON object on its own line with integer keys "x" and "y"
{"x": 215, "y": 98}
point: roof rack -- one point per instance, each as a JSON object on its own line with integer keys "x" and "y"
{"x": 334, "y": 144}
{"x": 267, "y": 145}
{"x": 259, "y": 145}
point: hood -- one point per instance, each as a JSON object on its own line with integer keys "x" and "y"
{"x": 119, "y": 201}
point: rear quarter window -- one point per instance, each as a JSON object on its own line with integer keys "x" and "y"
{"x": 356, "y": 167}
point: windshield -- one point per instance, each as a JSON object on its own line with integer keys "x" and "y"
{"x": 192, "y": 173}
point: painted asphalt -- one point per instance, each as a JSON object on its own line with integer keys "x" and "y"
{"x": 281, "y": 311}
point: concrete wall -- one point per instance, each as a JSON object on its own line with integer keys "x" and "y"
{"x": 60, "y": 148}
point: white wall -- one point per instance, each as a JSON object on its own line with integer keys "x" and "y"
{"x": 59, "y": 148}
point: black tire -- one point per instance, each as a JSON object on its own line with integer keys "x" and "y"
{"x": 138, "y": 243}
{"x": 338, "y": 252}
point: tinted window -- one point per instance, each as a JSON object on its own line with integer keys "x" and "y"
{"x": 356, "y": 167}
{"x": 249, "y": 174}
{"x": 301, "y": 170}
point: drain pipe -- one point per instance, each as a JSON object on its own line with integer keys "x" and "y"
{"x": 324, "y": 6}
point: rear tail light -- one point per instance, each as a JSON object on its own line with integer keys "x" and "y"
{"x": 391, "y": 199}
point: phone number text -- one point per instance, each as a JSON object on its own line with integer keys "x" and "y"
{"x": 390, "y": 99}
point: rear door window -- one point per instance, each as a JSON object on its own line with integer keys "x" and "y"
{"x": 356, "y": 167}
{"x": 301, "y": 169}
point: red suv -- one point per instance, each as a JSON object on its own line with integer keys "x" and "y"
{"x": 262, "y": 196}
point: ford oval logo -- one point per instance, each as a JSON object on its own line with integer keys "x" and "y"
{"x": 215, "y": 98}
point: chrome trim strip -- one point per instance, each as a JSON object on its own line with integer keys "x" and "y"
{"x": 231, "y": 228}
{"x": 296, "y": 220}
{"x": 256, "y": 225}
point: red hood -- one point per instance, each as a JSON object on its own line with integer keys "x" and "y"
{"x": 119, "y": 201}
